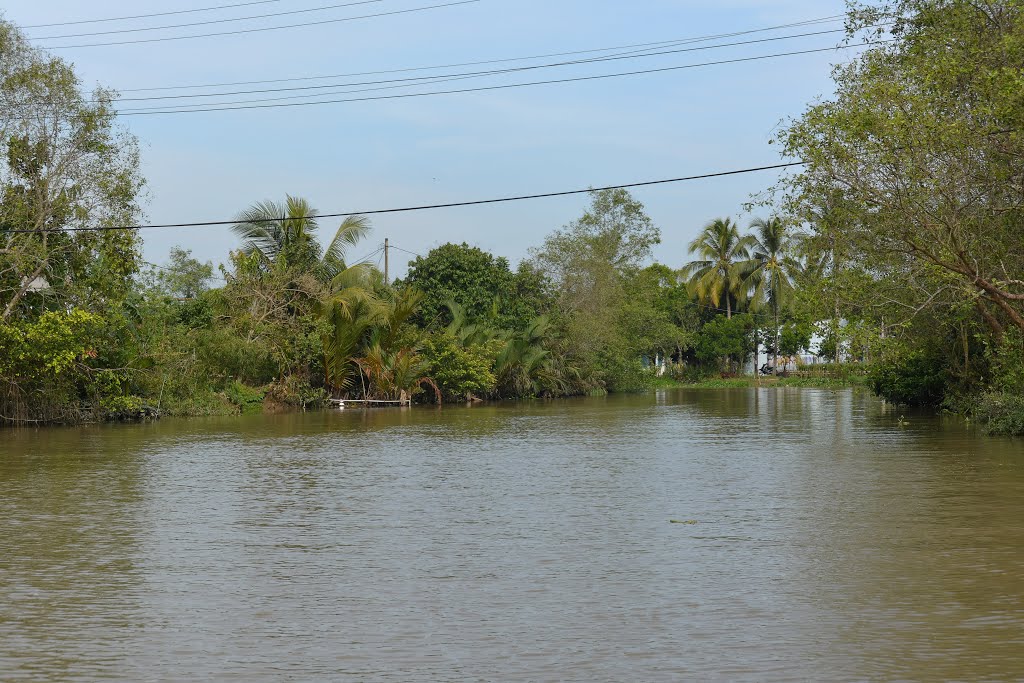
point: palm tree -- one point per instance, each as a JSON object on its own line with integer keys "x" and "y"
{"x": 524, "y": 363}
{"x": 349, "y": 315}
{"x": 718, "y": 274}
{"x": 772, "y": 270}
{"x": 283, "y": 235}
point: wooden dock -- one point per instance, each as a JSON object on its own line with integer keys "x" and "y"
{"x": 342, "y": 403}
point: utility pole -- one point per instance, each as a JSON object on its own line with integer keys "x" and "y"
{"x": 387, "y": 245}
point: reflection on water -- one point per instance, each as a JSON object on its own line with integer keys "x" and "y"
{"x": 518, "y": 542}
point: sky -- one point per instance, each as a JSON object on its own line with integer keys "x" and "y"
{"x": 365, "y": 155}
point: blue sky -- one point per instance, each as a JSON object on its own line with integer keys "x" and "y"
{"x": 366, "y": 155}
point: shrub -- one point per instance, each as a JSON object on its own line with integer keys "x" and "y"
{"x": 1001, "y": 413}
{"x": 248, "y": 399}
{"x": 916, "y": 379}
{"x": 459, "y": 371}
{"x": 624, "y": 375}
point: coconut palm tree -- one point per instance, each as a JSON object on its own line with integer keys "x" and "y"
{"x": 283, "y": 235}
{"x": 718, "y": 275}
{"x": 772, "y": 270}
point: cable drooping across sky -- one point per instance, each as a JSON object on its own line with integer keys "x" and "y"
{"x": 154, "y": 14}
{"x": 427, "y": 207}
{"x": 208, "y": 22}
{"x": 577, "y": 79}
{"x": 427, "y": 80}
{"x": 650, "y": 45}
{"x": 265, "y": 28}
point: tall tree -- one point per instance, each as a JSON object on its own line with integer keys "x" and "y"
{"x": 589, "y": 262}
{"x": 924, "y": 140}
{"x": 772, "y": 271}
{"x": 67, "y": 165}
{"x": 717, "y": 275}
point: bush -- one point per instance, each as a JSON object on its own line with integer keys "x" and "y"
{"x": 295, "y": 390}
{"x": 1007, "y": 363}
{"x": 624, "y": 375}
{"x": 458, "y": 371}
{"x": 228, "y": 354}
{"x": 915, "y": 379}
{"x": 1001, "y": 413}
{"x": 248, "y": 399}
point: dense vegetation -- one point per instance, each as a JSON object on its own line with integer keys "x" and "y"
{"x": 895, "y": 253}
{"x": 914, "y": 201}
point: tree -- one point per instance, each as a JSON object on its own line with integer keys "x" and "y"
{"x": 912, "y": 176}
{"x": 283, "y": 236}
{"x": 772, "y": 271}
{"x": 717, "y": 275}
{"x": 67, "y": 169}
{"x": 184, "y": 277}
{"x": 613, "y": 236}
{"x": 924, "y": 140}
{"x": 588, "y": 263}
{"x": 726, "y": 340}
{"x": 461, "y": 371}
{"x": 484, "y": 286}
{"x": 67, "y": 165}
{"x": 658, "y": 315}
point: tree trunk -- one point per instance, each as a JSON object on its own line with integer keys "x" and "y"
{"x": 994, "y": 325}
{"x": 23, "y": 290}
{"x": 775, "y": 350}
{"x": 757, "y": 359}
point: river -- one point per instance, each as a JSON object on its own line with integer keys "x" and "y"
{"x": 775, "y": 534}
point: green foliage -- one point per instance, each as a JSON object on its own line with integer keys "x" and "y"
{"x": 915, "y": 378}
{"x": 50, "y": 345}
{"x": 295, "y": 391}
{"x": 282, "y": 237}
{"x": 483, "y": 285}
{"x": 249, "y": 400}
{"x": 65, "y": 165}
{"x": 1001, "y": 412}
{"x": 795, "y": 337}
{"x": 718, "y": 277}
{"x": 624, "y": 373}
{"x": 727, "y": 341}
{"x": 610, "y": 312}
{"x": 123, "y": 407}
{"x": 461, "y": 372}
{"x": 183, "y": 278}
{"x": 1006, "y": 358}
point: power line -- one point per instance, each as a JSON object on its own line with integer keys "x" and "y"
{"x": 368, "y": 256}
{"x": 651, "y": 45}
{"x": 207, "y": 22}
{"x": 155, "y": 14}
{"x": 149, "y": 112}
{"x": 427, "y": 207}
{"x": 412, "y": 253}
{"x": 264, "y": 28}
{"x": 456, "y": 76}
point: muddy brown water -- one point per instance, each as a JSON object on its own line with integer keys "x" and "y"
{"x": 823, "y": 538}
